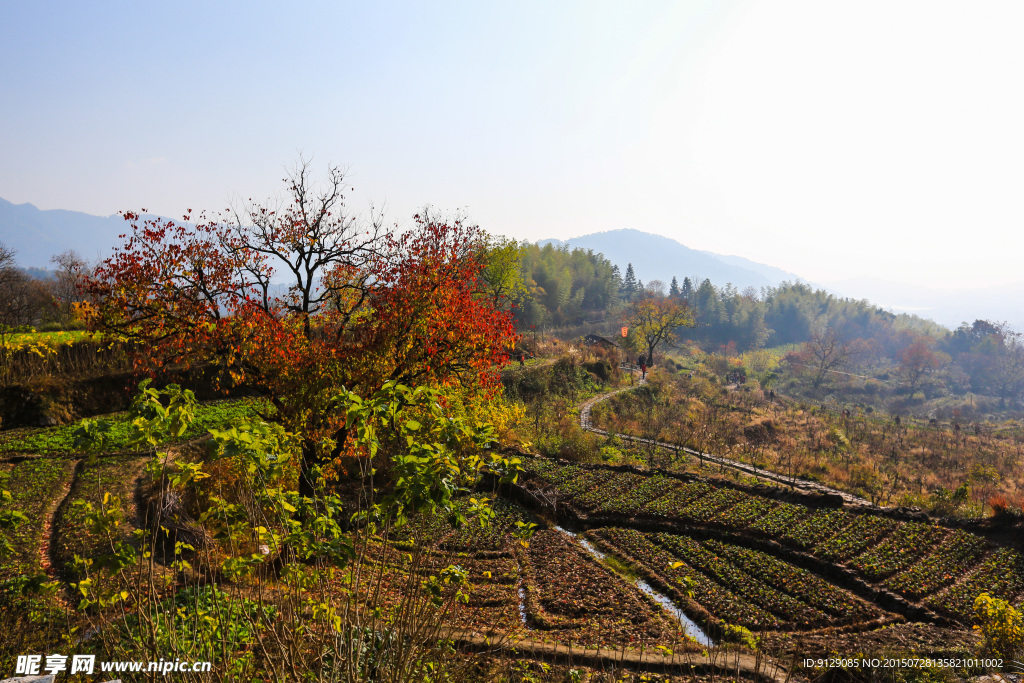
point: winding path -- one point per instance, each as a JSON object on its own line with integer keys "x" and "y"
{"x": 814, "y": 487}
{"x": 48, "y": 536}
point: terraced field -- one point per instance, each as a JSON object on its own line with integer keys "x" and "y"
{"x": 573, "y": 596}
{"x": 60, "y": 440}
{"x": 51, "y": 481}
{"x": 549, "y": 589}
{"x": 72, "y": 535}
{"x": 719, "y": 553}
{"x": 37, "y": 487}
{"x": 737, "y": 585}
{"x": 776, "y": 561}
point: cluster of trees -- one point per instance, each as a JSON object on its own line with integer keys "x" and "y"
{"x": 846, "y": 335}
{"x": 26, "y": 300}
{"x": 984, "y": 358}
{"x": 790, "y": 313}
{"x": 990, "y": 355}
{"x": 562, "y": 287}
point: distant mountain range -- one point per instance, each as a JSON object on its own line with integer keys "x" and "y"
{"x": 660, "y": 258}
{"x": 36, "y": 235}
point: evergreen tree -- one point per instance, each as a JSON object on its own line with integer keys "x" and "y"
{"x": 687, "y": 290}
{"x": 629, "y": 283}
{"x": 673, "y": 289}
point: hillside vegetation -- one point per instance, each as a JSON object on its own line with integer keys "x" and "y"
{"x": 418, "y": 468}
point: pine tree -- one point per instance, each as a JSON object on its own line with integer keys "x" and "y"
{"x": 614, "y": 287}
{"x": 616, "y": 280}
{"x": 687, "y": 290}
{"x": 673, "y": 289}
{"x": 629, "y": 283}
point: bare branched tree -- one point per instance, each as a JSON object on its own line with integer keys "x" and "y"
{"x": 68, "y": 282}
{"x": 828, "y": 353}
{"x": 17, "y": 300}
{"x": 327, "y": 252}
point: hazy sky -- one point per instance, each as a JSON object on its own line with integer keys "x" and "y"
{"x": 833, "y": 139}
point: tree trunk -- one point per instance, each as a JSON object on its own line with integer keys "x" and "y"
{"x": 307, "y": 483}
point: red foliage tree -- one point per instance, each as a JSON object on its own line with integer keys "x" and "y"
{"x": 362, "y": 306}
{"x": 919, "y": 361}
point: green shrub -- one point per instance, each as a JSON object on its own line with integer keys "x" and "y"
{"x": 1001, "y": 625}
{"x": 601, "y": 369}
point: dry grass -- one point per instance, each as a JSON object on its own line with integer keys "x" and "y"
{"x": 910, "y": 462}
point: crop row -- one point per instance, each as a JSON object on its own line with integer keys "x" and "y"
{"x": 912, "y": 558}
{"x": 676, "y": 499}
{"x": 719, "y": 602}
{"x": 755, "y": 590}
{"x": 473, "y": 536}
{"x": 561, "y": 476}
{"x": 386, "y": 584}
{"x": 783, "y": 516}
{"x": 115, "y": 476}
{"x": 638, "y": 497}
{"x": 546, "y": 469}
{"x": 745, "y": 512}
{"x": 490, "y": 607}
{"x": 34, "y": 485}
{"x": 800, "y": 583}
{"x": 610, "y": 488}
{"x": 493, "y": 593}
{"x": 496, "y": 534}
{"x": 901, "y": 549}
{"x": 576, "y": 482}
{"x": 943, "y": 565}
{"x": 483, "y": 570}
{"x": 816, "y": 528}
{"x": 861, "y": 532}
{"x": 429, "y": 544}
{"x": 1001, "y": 575}
{"x": 705, "y": 508}
{"x": 744, "y": 586}
{"x": 480, "y": 571}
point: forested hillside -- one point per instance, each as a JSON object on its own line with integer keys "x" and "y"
{"x": 804, "y": 340}
{"x": 564, "y": 288}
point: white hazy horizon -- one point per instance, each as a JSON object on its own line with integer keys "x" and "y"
{"x": 833, "y": 140}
